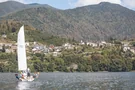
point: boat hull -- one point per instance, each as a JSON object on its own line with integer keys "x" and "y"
{"x": 28, "y": 79}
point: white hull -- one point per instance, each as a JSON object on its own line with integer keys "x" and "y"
{"x": 28, "y": 79}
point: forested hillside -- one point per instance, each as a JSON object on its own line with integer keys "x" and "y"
{"x": 10, "y": 29}
{"x": 95, "y": 22}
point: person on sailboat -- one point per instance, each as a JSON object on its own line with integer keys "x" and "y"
{"x": 36, "y": 75}
{"x": 28, "y": 72}
{"x": 19, "y": 77}
{"x": 16, "y": 75}
{"x": 22, "y": 75}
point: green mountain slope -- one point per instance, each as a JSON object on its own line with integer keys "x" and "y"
{"x": 10, "y": 29}
{"x": 10, "y": 6}
{"x": 95, "y": 22}
{"x": 13, "y": 6}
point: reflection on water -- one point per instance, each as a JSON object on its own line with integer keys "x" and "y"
{"x": 71, "y": 81}
{"x": 23, "y": 85}
{"x": 34, "y": 85}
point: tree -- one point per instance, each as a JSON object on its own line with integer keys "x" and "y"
{"x": 117, "y": 65}
{"x": 13, "y": 30}
{"x": 133, "y": 63}
{"x": 1, "y": 67}
{"x": 3, "y": 48}
{"x": 51, "y": 67}
{"x": 38, "y": 65}
{"x": 129, "y": 64}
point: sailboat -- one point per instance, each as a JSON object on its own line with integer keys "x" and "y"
{"x": 22, "y": 61}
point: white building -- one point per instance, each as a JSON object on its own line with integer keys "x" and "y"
{"x": 92, "y": 44}
{"x": 81, "y": 43}
{"x": 68, "y": 46}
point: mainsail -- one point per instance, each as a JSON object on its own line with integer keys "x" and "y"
{"x": 21, "y": 51}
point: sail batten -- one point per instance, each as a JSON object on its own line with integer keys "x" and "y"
{"x": 21, "y": 51}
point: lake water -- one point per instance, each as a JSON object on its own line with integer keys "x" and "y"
{"x": 72, "y": 81}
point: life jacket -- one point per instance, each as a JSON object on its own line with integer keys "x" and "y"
{"x": 16, "y": 75}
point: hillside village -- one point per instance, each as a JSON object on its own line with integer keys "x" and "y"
{"x": 35, "y": 47}
{"x": 69, "y": 57}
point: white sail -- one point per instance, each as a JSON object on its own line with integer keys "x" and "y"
{"x": 21, "y": 51}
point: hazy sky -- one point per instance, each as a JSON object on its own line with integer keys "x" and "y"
{"x": 67, "y": 4}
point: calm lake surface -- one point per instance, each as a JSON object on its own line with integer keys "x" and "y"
{"x": 72, "y": 81}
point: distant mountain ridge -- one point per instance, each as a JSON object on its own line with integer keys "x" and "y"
{"x": 94, "y": 22}
{"x": 13, "y": 6}
{"x": 10, "y": 6}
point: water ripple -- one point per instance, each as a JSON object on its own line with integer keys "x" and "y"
{"x": 71, "y": 81}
